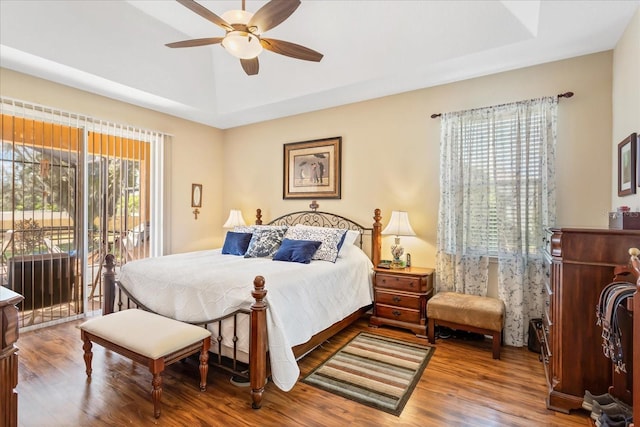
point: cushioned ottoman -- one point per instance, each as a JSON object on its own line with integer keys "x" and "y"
{"x": 483, "y": 315}
{"x": 150, "y": 339}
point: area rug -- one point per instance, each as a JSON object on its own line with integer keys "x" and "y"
{"x": 373, "y": 370}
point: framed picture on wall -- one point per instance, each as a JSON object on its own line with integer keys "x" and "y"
{"x": 196, "y": 195}
{"x": 627, "y": 159}
{"x": 312, "y": 169}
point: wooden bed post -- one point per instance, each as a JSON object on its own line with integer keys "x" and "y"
{"x": 258, "y": 216}
{"x": 376, "y": 238}
{"x": 258, "y": 343}
{"x": 109, "y": 279}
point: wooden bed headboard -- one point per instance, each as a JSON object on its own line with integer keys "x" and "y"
{"x": 326, "y": 219}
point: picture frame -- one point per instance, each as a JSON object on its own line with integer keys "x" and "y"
{"x": 627, "y": 162}
{"x": 196, "y": 195}
{"x": 312, "y": 169}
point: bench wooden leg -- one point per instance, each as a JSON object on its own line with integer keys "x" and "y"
{"x": 432, "y": 331}
{"x": 497, "y": 343}
{"x": 204, "y": 363}
{"x": 88, "y": 354}
{"x": 156, "y": 393}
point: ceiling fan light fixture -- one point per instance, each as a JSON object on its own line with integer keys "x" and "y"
{"x": 242, "y": 45}
{"x": 237, "y": 16}
{"x": 243, "y": 38}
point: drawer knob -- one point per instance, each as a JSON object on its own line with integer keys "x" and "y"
{"x": 396, "y": 298}
{"x": 396, "y": 313}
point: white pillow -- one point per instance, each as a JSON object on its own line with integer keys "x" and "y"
{"x": 351, "y": 237}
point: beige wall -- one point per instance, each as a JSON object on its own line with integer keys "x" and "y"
{"x": 194, "y": 154}
{"x": 390, "y": 149}
{"x": 626, "y": 102}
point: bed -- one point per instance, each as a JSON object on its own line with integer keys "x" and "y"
{"x": 264, "y": 314}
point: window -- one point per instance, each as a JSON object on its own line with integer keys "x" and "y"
{"x": 496, "y": 152}
{"x": 497, "y": 195}
{"x": 496, "y": 179}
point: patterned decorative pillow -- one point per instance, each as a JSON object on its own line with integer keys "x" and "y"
{"x": 330, "y": 238}
{"x": 265, "y": 241}
{"x": 349, "y": 237}
{"x": 245, "y": 228}
{"x": 252, "y": 228}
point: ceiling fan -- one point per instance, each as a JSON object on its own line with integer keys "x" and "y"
{"x": 244, "y": 33}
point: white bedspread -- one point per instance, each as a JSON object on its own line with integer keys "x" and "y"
{"x": 302, "y": 299}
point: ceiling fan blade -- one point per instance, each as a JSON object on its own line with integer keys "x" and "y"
{"x": 250, "y": 66}
{"x": 196, "y": 42}
{"x": 205, "y": 13}
{"x": 272, "y": 14}
{"x": 291, "y": 49}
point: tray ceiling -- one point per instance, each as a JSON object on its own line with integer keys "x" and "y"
{"x": 371, "y": 49}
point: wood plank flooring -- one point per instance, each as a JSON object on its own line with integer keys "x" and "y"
{"x": 461, "y": 386}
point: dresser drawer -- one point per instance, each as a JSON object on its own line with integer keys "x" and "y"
{"x": 398, "y": 313}
{"x": 400, "y": 283}
{"x": 398, "y": 299}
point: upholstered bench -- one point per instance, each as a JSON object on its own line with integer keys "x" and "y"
{"x": 149, "y": 339}
{"x": 472, "y": 313}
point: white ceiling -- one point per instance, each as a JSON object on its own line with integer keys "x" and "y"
{"x": 371, "y": 48}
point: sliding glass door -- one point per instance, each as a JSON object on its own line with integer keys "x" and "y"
{"x": 73, "y": 190}
{"x": 41, "y": 233}
{"x": 118, "y": 204}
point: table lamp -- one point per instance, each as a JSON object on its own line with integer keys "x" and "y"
{"x": 398, "y": 226}
{"x": 235, "y": 219}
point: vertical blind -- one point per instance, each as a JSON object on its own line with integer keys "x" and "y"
{"x": 74, "y": 188}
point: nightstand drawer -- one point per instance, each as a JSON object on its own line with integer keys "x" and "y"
{"x": 398, "y": 299}
{"x": 398, "y": 313}
{"x": 400, "y": 283}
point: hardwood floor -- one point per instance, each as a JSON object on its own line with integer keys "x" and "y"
{"x": 461, "y": 386}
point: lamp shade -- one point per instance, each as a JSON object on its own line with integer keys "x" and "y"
{"x": 240, "y": 44}
{"x": 235, "y": 219}
{"x": 399, "y": 225}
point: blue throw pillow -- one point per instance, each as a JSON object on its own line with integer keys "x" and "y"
{"x": 297, "y": 251}
{"x": 236, "y": 243}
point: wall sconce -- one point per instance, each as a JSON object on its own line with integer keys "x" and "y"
{"x": 398, "y": 226}
{"x": 196, "y": 198}
{"x": 235, "y": 219}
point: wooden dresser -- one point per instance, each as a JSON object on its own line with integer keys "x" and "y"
{"x": 8, "y": 357}
{"x": 400, "y": 298}
{"x": 580, "y": 264}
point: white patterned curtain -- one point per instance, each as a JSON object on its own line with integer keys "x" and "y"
{"x": 497, "y": 195}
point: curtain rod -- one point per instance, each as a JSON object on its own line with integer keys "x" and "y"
{"x": 560, "y": 95}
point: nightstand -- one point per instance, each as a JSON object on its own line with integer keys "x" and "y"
{"x": 400, "y": 298}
